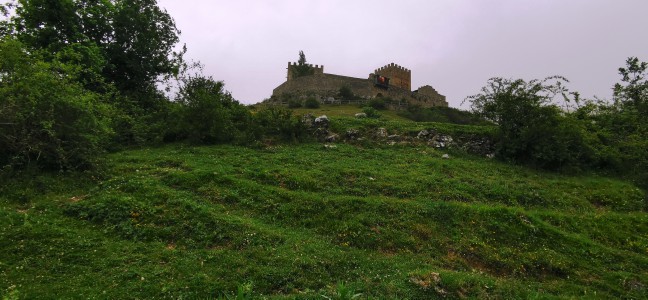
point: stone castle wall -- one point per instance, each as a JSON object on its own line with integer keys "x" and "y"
{"x": 398, "y": 76}
{"x": 325, "y": 86}
{"x": 316, "y": 69}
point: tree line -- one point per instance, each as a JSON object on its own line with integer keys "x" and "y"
{"x": 543, "y": 124}
{"x": 82, "y": 77}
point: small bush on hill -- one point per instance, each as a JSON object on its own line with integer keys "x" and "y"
{"x": 345, "y": 93}
{"x": 278, "y": 122}
{"x": 294, "y": 103}
{"x": 378, "y": 103}
{"x": 441, "y": 115}
{"x": 371, "y": 112}
{"x": 209, "y": 114}
{"x": 311, "y": 103}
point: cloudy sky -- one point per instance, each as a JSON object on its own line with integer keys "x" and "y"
{"x": 453, "y": 45}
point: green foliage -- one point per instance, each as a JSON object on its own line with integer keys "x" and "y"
{"x": 47, "y": 117}
{"x": 141, "y": 29}
{"x": 391, "y": 222}
{"x": 209, "y": 114}
{"x": 292, "y": 103}
{"x": 277, "y": 122}
{"x": 532, "y": 130}
{"x": 441, "y": 115}
{"x": 619, "y": 131}
{"x": 302, "y": 68}
{"x": 118, "y": 34}
{"x": 379, "y": 103}
{"x": 633, "y": 93}
{"x": 311, "y": 103}
{"x": 344, "y": 292}
{"x": 346, "y": 93}
{"x": 371, "y": 112}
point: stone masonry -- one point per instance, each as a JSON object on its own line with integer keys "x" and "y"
{"x": 321, "y": 85}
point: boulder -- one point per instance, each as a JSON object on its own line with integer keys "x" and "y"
{"x": 394, "y": 137}
{"x": 352, "y": 134}
{"x": 322, "y": 122}
{"x": 381, "y": 133}
{"x": 445, "y": 156}
{"x": 308, "y": 120}
{"x": 441, "y": 141}
{"x": 360, "y": 115}
{"x": 425, "y": 134}
{"x": 332, "y": 138}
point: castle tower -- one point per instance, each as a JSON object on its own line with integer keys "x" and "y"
{"x": 398, "y": 76}
{"x": 293, "y": 70}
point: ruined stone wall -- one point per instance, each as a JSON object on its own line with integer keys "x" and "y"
{"x": 398, "y": 76}
{"x": 427, "y": 96}
{"x": 323, "y": 85}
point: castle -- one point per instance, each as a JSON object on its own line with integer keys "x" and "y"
{"x": 391, "y": 82}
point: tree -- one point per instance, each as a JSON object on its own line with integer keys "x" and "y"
{"x": 141, "y": 48}
{"x": 47, "y": 118}
{"x": 131, "y": 42}
{"x": 346, "y": 93}
{"x": 633, "y": 93}
{"x": 532, "y": 129}
{"x": 302, "y": 68}
{"x": 209, "y": 113}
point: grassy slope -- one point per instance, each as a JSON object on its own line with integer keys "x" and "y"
{"x": 292, "y": 221}
{"x": 331, "y": 110}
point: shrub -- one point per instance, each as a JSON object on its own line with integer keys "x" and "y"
{"x": 532, "y": 130}
{"x": 311, "y": 103}
{"x": 371, "y": 112}
{"x": 345, "y": 93}
{"x": 441, "y": 115}
{"x": 48, "y": 119}
{"x": 278, "y": 122}
{"x": 294, "y": 103}
{"x": 209, "y": 114}
{"x": 378, "y": 103}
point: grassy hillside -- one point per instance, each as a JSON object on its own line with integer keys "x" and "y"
{"x": 345, "y": 110}
{"x": 295, "y": 221}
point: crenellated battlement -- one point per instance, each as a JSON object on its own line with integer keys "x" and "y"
{"x": 398, "y": 76}
{"x": 392, "y": 66}
{"x": 314, "y": 69}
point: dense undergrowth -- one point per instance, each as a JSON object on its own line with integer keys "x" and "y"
{"x": 294, "y": 221}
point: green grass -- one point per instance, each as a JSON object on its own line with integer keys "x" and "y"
{"x": 345, "y": 110}
{"x": 303, "y": 221}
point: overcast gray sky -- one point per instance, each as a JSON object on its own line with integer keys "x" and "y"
{"x": 453, "y": 45}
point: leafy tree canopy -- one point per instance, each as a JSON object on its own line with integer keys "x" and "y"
{"x": 633, "y": 92}
{"x": 302, "y": 68}
{"x": 131, "y": 43}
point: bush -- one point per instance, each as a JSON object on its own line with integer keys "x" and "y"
{"x": 311, "y": 103}
{"x": 371, "y": 112}
{"x": 278, "y": 122}
{"x": 345, "y": 93}
{"x": 47, "y": 118}
{"x": 378, "y": 103}
{"x": 441, "y": 115}
{"x": 209, "y": 114}
{"x": 532, "y": 130}
{"x": 294, "y": 103}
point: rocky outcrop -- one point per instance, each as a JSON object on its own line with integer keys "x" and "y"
{"x": 470, "y": 143}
